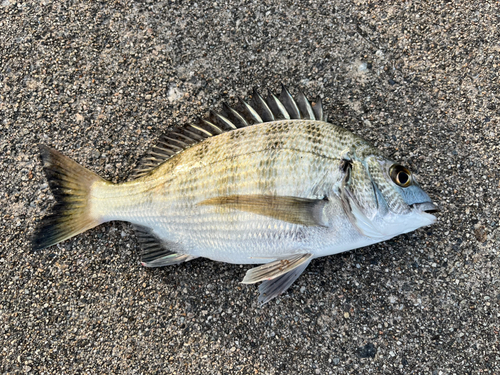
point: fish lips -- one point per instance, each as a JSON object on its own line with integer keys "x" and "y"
{"x": 427, "y": 207}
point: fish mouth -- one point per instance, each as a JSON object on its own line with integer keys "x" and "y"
{"x": 427, "y": 207}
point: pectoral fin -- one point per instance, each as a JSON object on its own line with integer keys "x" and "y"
{"x": 295, "y": 210}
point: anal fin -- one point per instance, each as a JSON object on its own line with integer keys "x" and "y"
{"x": 155, "y": 252}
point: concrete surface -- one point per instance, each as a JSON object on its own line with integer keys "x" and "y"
{"x": 100, "y": 80}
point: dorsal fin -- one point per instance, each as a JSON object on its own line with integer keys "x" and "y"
{"x": 260, "y": 110}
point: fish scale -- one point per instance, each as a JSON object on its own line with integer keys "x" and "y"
{"x": 271, "y": 182}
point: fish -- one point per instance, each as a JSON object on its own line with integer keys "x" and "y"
{"x": 268, "y": 182}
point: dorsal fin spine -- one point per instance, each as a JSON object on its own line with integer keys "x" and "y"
{"x": 251, "y": 112}
{"x": 212, "y": 126}
{"x": 305, "y": 107}
{"x": 238, "y": 120}
{"x": 265, "y": 113}
{"x": 277, "y": 107}
{"x": 157, "y": 154}
{"x": 318, "y": 109}
{"x": 181, "y": 143}
{"x": 190, "y": 140}
{"x": 197, "y": 137}
{"x": 289, "y": 103}
{"x": 166, "y": 146}
{"x": 202, "y": 130}
{"x": 223, "y": 120}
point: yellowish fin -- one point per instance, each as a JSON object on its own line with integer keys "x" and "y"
{"x": 71, "y": 185}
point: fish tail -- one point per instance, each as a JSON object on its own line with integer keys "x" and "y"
{"x": 71, "y": 185}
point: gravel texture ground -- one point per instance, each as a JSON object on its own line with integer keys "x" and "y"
{"x": 100, "y": 80}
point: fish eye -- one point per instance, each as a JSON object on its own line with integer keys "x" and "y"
{"x": 400, "y": 175}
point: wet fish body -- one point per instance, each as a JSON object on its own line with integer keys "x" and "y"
{"x": 270, "y": 182}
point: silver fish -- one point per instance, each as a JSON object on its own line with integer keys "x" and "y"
{"x": 270, "y": 182}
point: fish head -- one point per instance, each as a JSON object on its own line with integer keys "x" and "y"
{"x": 402, "y": 204}
{"x": 387, "y": 200}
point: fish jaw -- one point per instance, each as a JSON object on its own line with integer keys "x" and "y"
{"x": 392, "y": 225}
{"x": 383, "y": 228}
{"x": 419, "y": 215}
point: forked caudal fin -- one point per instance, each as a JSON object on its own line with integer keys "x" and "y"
{"x": 70, "y": 184}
